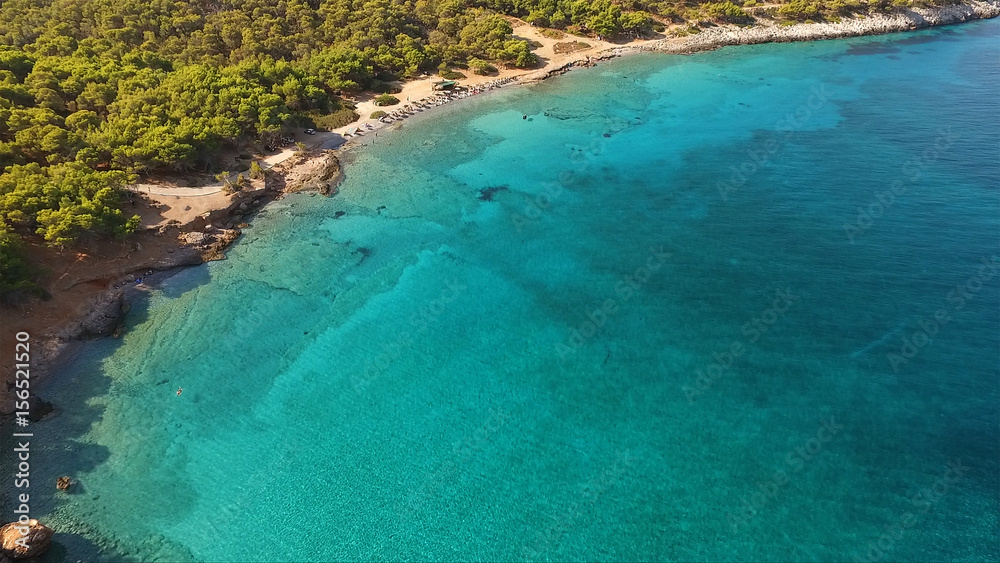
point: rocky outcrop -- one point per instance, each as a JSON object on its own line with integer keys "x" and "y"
{"x": 103, "y": 318}
{"x": 194, "y": 238}
{"x": 37, "y": 408}
{"x": 209, "y": 244}
{"x": 584, "y": 62}
{"x": 64, "y": 483}
{"x": 848, "y": 27}
{"x": 183, "y": 255}
{"x": 16, "y": 544}
{"x": 323, "y": 179}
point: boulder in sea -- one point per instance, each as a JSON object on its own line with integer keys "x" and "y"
{"x": 37, "y": 408}
{"x": 24, "y": 541}
{"x": 486, "y": 194}
{"x": 64, "y": 483}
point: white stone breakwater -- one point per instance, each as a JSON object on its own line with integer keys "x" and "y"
{"x": 908, "y": 19}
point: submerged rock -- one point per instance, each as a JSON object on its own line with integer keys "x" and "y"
{"x": 64, "y": 483}
{"x": 18, "y": 545}
{"x": 486, "y": 194}
{"x": 37, "y": 408}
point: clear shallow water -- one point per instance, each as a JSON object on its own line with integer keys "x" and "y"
{"x": 426, "y": 380}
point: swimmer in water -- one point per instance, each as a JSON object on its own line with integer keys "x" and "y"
{"x": 179, "y": 391}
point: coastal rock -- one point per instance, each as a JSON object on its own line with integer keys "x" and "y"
{"x": 104, "y": 317}
{"x": 37, "y": 408}
{"x": 209, "y": 246}
{"x": 64, "y": 483}
{"x": 721, "y": 36}
{"x": 182, "y": 256}
{"x": 323, "y": 178}
{"x": 213, "y": 249}
{"x": 194, "y": 238}
{"x": 37, "y": 539}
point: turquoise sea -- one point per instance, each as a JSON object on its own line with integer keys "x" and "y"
{"x": 740, "y": 305}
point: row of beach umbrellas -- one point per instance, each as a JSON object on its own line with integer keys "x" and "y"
{"x": 443, "y": 98}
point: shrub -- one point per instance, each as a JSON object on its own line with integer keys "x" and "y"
{"x": 256, "y": 172}
{"x": 339, "y": 115}
{"x": 670, "y": 14}
{"x": 339, "y": 118}
{"x": 378, "y": 114}
{"x": 517, "y": 53}
{"x": 843, "y": 7}
{"x": 386, "y": 100}
{"x": 537, "y": 18}
{"x": 385, "y": 87}
{"x": 726, "y": 12}
{"x": 227, "y": 186}
{"x": 19, "y": 276}
{"x": 481, "y": 67}
{"x": 636, "y": 24}
{"x": 452, "y": 75}
{"x": 799, "y": 10}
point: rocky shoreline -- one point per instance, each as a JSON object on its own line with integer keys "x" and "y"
{"x": 201, "y": 240}
{"x": 909, "y": 19}
{"x": 207, "y": 238}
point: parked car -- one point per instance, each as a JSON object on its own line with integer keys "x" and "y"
{"x": 310, "y": 131}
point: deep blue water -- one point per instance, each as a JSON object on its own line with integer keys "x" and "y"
{"x": 740, "y": 305}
